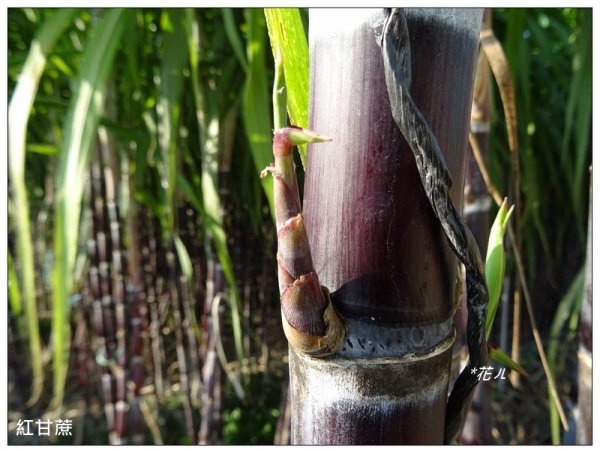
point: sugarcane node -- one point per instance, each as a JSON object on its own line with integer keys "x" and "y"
{"x": 282, "y": 146}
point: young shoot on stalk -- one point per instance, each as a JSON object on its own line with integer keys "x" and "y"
{"x": 495, "y": 262}
{"x": 310, "y": 321}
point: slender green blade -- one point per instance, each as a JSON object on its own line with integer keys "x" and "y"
{"x": 18, "y": 117}
{"x": 279, "y": 95}
{"x": 570, "y": 304}
{"x": 503, "y": 358}
{"x": 42, "y": 148}
{"x": 209, "y": 206}
{"x": 256, "y": 110}
{"x": 286, "y": 33}
{"x": 578, "y": 116}
{"x": 80, "y": 128}
{"x": 234, "y": 37}
{"x": 14, "y": 292}
{"x": 168, "y": 107}
{"x": 495, "y": 264}
{"x": 187, "y": 269}
{"x": 214, "y": 221}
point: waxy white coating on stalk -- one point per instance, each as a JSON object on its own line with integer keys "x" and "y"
{"x": 328, "y": 23}
{"x": 329, "y": 390}
{"x": 378, "y": 389}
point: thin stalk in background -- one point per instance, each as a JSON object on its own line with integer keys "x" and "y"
{"x": 99, "y": 285}
{"x": 14, "y": 292}
{"x": 208, "y": 204}
{"x": 182, "y": 360}
{"x": 189, "y": 323}
{"x": 18, "y": 117}
{"x": 41, "y": 248}
{"x": 118, "y": 286}
{"x": 137, "y": 305}
{"x": 211, "y": 370}
{"x": 150, "y": 260}
{"x": 567, "y": 310}
{"x": 175, "y": 59}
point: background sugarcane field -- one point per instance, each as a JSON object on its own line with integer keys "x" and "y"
{"x": 143, "y": 304}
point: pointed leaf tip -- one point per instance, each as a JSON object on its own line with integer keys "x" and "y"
{"x": 299, "y": 136}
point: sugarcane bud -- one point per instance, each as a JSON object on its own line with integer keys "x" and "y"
{"x": 303, "y": 305}
{"x": 310, "y": 321}
{"x": 317, "y": 345}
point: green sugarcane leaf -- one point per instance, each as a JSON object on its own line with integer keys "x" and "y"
{"x": 286, "y": 33}
{"x": 42, "y": 148}
{"x": 231, "y": 31}
{"x": 569, "y": 305}
{"x": 576, "y": 134}
{"x": 18, "y": 117}
{"x": 495, "y": 263}
{"x": 184, "y": 259}
{"x": 279, "y": 94}
{"x": 81, "y": 124}
{"x": 175, "y": 57}
{"x": 61, "y": 65}
{"x": 503, "y": 358}
{"x": 209, "y": 206}
{"x": 187, "y": 269}
{"x": 214, "y": 223}
{"x": 256, "y": 110}
{"x": 14, "y": 292}
{"x": 189, "y": 192}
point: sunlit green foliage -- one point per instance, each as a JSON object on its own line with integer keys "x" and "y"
{"x": 549, "y": 54}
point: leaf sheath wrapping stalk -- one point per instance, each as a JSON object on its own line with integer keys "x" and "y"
{"x": 294, "y": 252}
{"x": 436, "y": 181}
